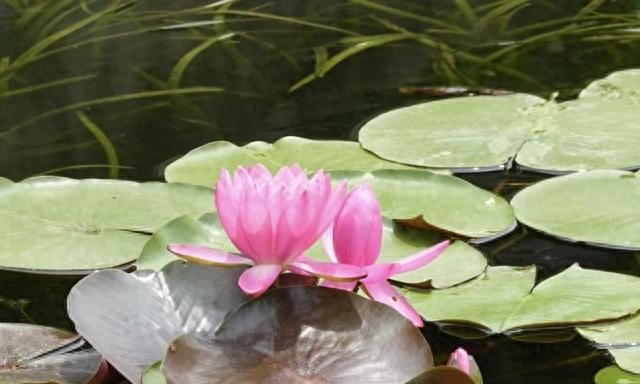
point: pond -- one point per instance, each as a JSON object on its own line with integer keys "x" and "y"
{"x": 120, "y": 89}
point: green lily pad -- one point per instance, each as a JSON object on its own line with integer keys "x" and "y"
{"x": 153, "y": 375}
{"x": 502, "y": 299}
{"x": 446, "y": 202}
{"x": 621, "y": 84}
{"x": 596, "y": 131}
{"x": 60, "y": 224}
{"x": 185, "y": 229}
{"x": 597, "y": 207}
{"x": 458, "y": 263}
{"x": 37, "y": 354}
{"x": 621, "y": 339}
{"x": 477, "y": 133}
{"x": 202, "y": 165}
{"x": 615, "y": 375}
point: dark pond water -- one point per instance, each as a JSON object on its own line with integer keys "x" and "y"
{"x": 127, "y": 50}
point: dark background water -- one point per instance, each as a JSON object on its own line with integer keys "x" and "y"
{"x": 555, "y": 46}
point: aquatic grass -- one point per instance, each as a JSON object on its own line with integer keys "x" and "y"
{"x": 48, "y": 85}
{"x": 82, "y": 167}
{"x": 180, "y": 67}
{"x": 105, "y": 143}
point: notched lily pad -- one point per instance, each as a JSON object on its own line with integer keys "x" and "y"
{"x": 445, "y": 202}
{"x": 502, "y": 300}
{"x": 597, "y": 207}
{"x": 202, "y": 165}
{"x": 303, "y": 335}
{"x": 59, "y": 224}
{"x": 131, "y": 318}
{"x": 33, "y": 353}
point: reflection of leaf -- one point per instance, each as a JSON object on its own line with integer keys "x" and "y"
{"x": 598, "y": 207}
{"x": 56, "y": 223}
{"x": 131, "y": 318}
{"x": 303, "y": 335}
{"x": 33, "y": 353}
{"x": 502, "y": 300}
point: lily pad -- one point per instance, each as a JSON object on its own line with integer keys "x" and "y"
{"x": 60, "y": 224}
{"x": 153, "y": 375}
{"x": 131, "y": 318}
{"x": 202, "y": 165}
{"x": 303, "y": 335}
{"x": 33, "y": 353}
{"x": 596, "y": 131}
{"x": 185, "y": 229}
{"x": 463, "y": 134}
{"x": 615, "y": 375}
{"x": 458, "y": 263}
{"x": 597, "y": 207}
{"x": 502, "y": 300}
{"x": 621, "y": 339}
{"x": 445, "y": 202}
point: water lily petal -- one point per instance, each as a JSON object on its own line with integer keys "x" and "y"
{"x": 207, "y": 256}
{"x": 345, "y": 286}
{"x": 357, "y": 231}
{"x": 422, "y": 258}
{"x": 331, "y": 271}
{"x": 383, "y": 292}
{"x": 380, "y": 272}
{"x": 327, "y": 244}
{"x": 461, "y": 360}
{"x": 255, "y": 280}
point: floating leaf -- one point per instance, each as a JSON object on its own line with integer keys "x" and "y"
{"x": 33, "y": 353}
{"x": 153, "y": 375}
{"x": 458, "y": 263}
{"x": 501, "y": 300}
{"x": 615, "y": 375}
{"x": 620, "y": 338}
{"x": 597, "y": 207}
{"x": 445, "y": 202}
{"x": 464, "y": 134}
{"x": 131, "y": 318}
{"x": 202, "y": 165}
{"x": 596, "y": 131}
{"x": 303, "y": 335}
{"x": 205, "y": 231}
{"x": 60, "y": 224}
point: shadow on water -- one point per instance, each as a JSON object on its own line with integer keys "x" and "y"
{"x": 89, "y": 87}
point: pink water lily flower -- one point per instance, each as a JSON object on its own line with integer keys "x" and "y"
{"x": 461, "y": 360}
{"x": 272, "y": 220}
{"x": 356, "y": 239}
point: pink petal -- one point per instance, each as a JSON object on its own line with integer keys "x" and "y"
{"x": 357, "y": 231}
{"x": 331, "y": 271}
{"x": 225, "y": 205}
{"x": 380, "y": 272}
{"x": 327, "y": 243}
{"x": 256, "y": 280}
{"x": 207, "y": 256}
{"x": 461, "y": 360}
{"x": 345, "y": 286}
{"x": 422, "y": 258}
{"x": 383, "y": 292}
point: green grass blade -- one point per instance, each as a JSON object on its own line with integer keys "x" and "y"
{"x": 183, "y": 63}
{"x": 103, "y": 139}
{"x": 79, "y": 167}
{"x": 467, "y": 10}
{"x": 50, "y": 84}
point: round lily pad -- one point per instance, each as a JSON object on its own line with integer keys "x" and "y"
{"x": 620, "y": 84}
{"x": 615, "y": 375}
{"x": 202, "y": 165}
{"x": 597, "y": 207}
{"x": 60, "y": 224}
{"x": 444, "y": 202}
{"x": 464, "y": 134}
{"x": 502, "y": 300}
